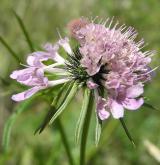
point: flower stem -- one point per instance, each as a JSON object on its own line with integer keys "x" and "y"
{"x": 85, "y": 130}
{"x": 65, "y": 141}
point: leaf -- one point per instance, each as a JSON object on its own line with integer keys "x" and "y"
{"x": 83, "y": 112}
{"x": 86, "y": 129}
{"x": 15, "y": 56}
{"x": 9, "y": 123}
{"x": 65, "y": 103}
{"x": 149, "y": 106}
{"x": 23, "y": 28}
{"x": 53, "y": 109}
{"x": 126, "y": 131}
{"x": 98, "y": 130}
{"x": 61, "y": 91}
{"x": 46, "y": 120}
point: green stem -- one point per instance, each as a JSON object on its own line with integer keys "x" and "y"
{"x": 15, "y": 56}
{"x": 65, "y": 141}
{"x": 23, "y": 28}
{"x": 85, "y": 130}
{"x": 126, "y": 131}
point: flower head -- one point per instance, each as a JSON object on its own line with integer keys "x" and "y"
{"x": 108, "y": 60}
{"x": 115, "y": 61}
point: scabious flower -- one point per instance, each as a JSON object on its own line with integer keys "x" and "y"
{"x": 115, "y": 61}
{"x": 107, "y": 61}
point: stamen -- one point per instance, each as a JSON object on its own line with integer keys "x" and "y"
{"x": 149, "y": 71}
{"x": 58, "y": 33}
{"x": 27, "y": 66}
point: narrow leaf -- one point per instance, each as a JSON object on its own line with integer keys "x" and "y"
{"x": 53, "y": 109}
{"x": 46, "y": 120}
{"x": 98, "y": 130}
{"x": 149, "y": 106}
{"x": 14, "y": 55}
{"x": 83, "y": 112}
{"x": 9, "y": 123}
{"x": 65, "y": 103}
{"x": 86, "y": 130}
{"x": 126, "y": 131}
{"x": 23, "y": 28}
{"x": 63, "y": 91}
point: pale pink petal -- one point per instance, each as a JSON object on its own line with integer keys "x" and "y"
{"x": 26, "y": 94}
{"x": 58, "y": 58}
{"x": 14, "y": 74}
{"x": 133, "y": 104}
{"x": 117, "y": 109}
{"x": 51, "y": 48}
{"x": 35, "y": 59}
{"x": 91, "y": 84}
{"x": 103, "y": 114}
{"x": 22, "y": 75}
{"x": 31, "y": 60}
{"x": 101, "y": 108}
{"x": 64, "y": 42}
{"x": 134, "y": 91}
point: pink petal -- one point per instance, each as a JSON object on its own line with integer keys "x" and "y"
{"x": 22, "y": 75}
{"x": 116, "y": 109}
{"x": 15, "y": 74}
{"x": 133, "y": 104}
{"x": 64, "y": 42}
{"x": 91, "y": 84}
{"x": 26, "y": 94}
{"x": 135, "y": 91}
{"x": 103, "y": 114}
{"x": 101, "y": 108}
{"x": 31, "y": 60}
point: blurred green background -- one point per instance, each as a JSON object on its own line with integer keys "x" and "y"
{"x": 41, "y": 19}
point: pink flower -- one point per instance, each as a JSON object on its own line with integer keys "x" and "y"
{"x": 36, "y": 58}
{"x": 91, "y": 84}
{"x": 30, "y": 76}
{"x": 101, "y": 108}
{"x": 112, "y": 58}
{"x": 125, "y": 99}
{"x": 33, "y": 75}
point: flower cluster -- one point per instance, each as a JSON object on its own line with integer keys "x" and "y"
{"x": 107, "y": 60}
{"x": 115, "y": 61}
{"x": 34, "y": 75}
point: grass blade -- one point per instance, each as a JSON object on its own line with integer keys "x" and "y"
{"x": 65, "y": 103}
{"x": 9, "y": 123}
{"x": 14, "y": 55}
{"x": 83, "y": 112}
{"x": 126, "y": 131}
{"x": 23, "y": 28}
{"x": 85, "y": 130}
{"x": 98, "y": 130}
